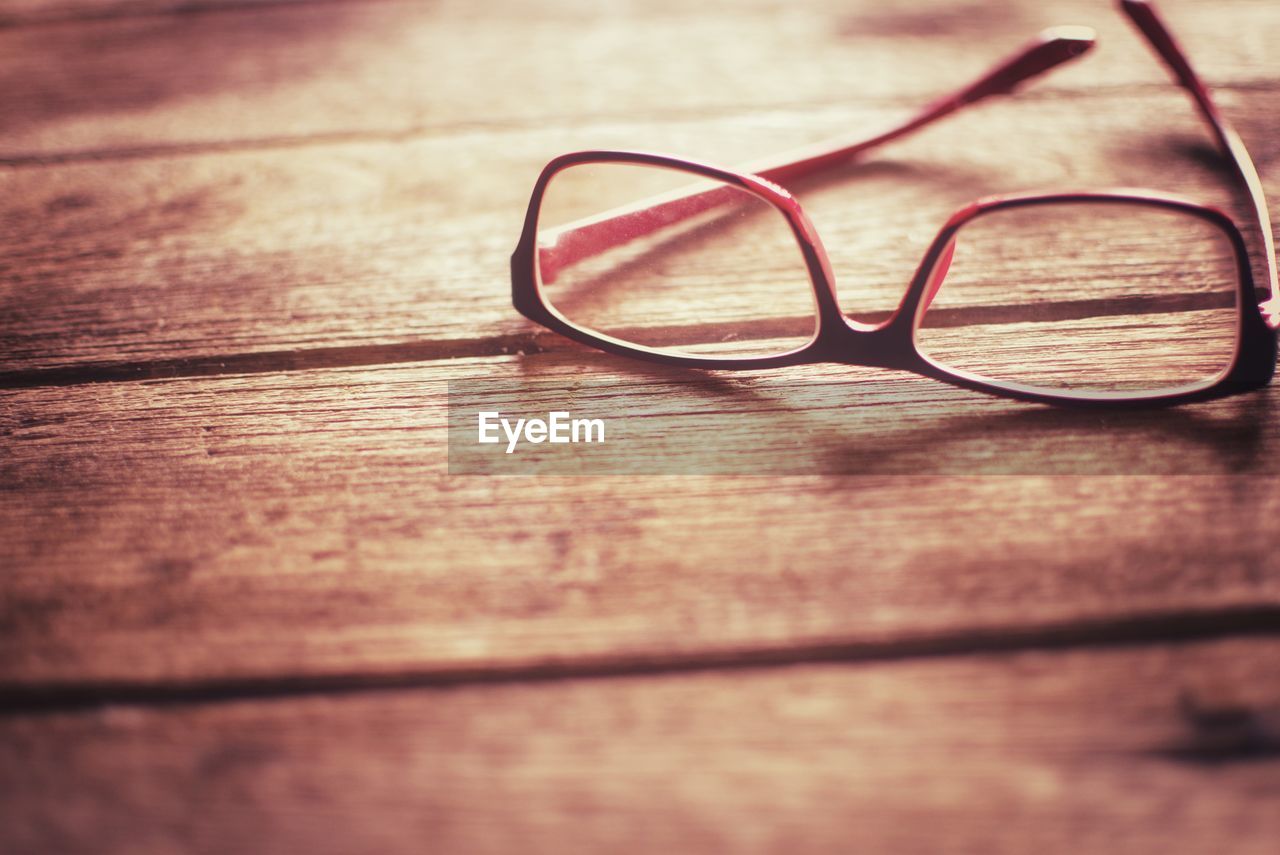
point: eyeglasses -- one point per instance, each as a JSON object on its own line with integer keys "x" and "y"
{"x": 1093, "y": 298}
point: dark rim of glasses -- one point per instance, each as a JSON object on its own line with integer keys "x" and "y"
{"x": 892, "y": 343}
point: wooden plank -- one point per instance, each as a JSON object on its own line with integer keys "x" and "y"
{"x": 1169, "y": 749}
{"x": 279, "y": 73}
{"x": 149, "y": 265}
{"x": 25, "y": 13}
{"x": 167, "y": 531}
{"x": 271, "y": 195}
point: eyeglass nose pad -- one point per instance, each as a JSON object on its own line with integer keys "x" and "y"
{"x": 937, "y": 275}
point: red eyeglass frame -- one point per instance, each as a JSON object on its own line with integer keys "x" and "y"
{"x": 891, "y": 344}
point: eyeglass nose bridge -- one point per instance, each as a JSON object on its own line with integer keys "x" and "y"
{"x": 842, "y": 340}
{"x": 845, "y": 341}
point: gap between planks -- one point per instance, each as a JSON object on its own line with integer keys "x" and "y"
{"x": 150, "y": 98}
{"x": 269, "y": 362}
{"x": 320, "y": 139}
{"x": 1164, "y": 749}
{"x": 39, "y": 14}
{"x": 1167, "y": 628}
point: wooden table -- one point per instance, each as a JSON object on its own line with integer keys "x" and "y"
{"x": 245, "y": 608}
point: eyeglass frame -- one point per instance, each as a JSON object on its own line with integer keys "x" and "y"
{"x": 892, "y": 343}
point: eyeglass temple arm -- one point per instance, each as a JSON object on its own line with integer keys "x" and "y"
{"x": 1051, "y": 48}
{"x": 1143, "y": 15}
{"x": 584, "y": 239}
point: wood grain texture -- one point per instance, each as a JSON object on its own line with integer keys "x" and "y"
{"x": 342, "y": 69}
{"x": 397, "y": 245}
{"x": 245, "y": 607}
{"x": 219, "y": 510}
{"x": 1172, "y": 749}
{"x": 206, "y": 257}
